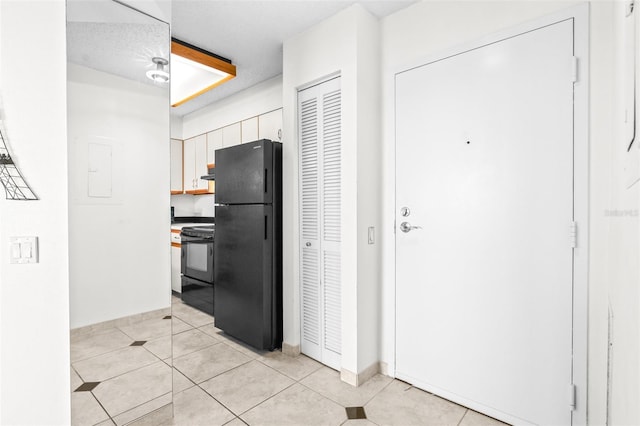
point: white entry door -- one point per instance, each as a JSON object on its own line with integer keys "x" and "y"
{"x": 484, "y": 175}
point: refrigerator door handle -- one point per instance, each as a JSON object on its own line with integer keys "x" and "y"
{"x": 266, "y": 181}
{"x": 266, "y": 221}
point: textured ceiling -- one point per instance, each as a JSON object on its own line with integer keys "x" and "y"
{"x": 251, "y": 33}
{"x": 108, "y": 36}
{"x": 123, "y": 49}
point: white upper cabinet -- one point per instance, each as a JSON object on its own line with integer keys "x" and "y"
{"x": 195, "y": 165}
{"x": 249, "y": 130}
{"x": 214, "y": 141}
{"x": 176, "y": 166}
{"x": 270, "y": 125}
{"x": 232, "y": 135}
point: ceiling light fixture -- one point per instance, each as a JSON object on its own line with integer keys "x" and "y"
{"x": 195, "y": 71}
{"x": 159, "y": 75}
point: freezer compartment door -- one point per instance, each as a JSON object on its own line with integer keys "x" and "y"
{"x": 247, "y": 298}
{"x": 244, "y": 173}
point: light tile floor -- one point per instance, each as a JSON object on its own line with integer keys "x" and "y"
{"x": 217, "y": 380}
{"x": 129, "y": 365}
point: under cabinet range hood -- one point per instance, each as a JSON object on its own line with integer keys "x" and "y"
{"x": 211, "y": 175}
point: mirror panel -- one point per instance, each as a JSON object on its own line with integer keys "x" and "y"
{"x": 119, "y": 220}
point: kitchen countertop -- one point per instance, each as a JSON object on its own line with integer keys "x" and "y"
{"x": 180, "y": 222}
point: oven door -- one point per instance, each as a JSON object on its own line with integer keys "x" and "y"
{"x": 197, "y": 258}
{"x": 198, "y": 294}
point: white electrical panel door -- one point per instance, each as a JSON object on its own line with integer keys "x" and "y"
{"x": 319, "y": 111}
{"x": 484, "y": 213}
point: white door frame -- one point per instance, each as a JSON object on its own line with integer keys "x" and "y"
{"x": 580, "y": 16}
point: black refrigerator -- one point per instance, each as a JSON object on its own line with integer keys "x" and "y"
{"x": 248, "y": 243}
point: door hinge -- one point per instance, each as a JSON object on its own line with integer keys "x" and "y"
{"x": 572, "y": 396}
{"x": 573, "y": 235}
{"x": 574, "y": 69}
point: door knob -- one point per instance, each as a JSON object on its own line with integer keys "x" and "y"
{"x": 406, "y": 227}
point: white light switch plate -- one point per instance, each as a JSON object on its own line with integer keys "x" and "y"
{"x": 23, "y": 249}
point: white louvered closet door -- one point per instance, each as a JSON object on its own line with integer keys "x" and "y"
{"x": 319, "y": 110}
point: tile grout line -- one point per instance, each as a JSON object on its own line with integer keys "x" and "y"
{"x": 140, "y": 405}
{"x": 272, "y": 396}
{"x": 130, "y": 371}
{"x": 216, "y": 399}
{"x": 294, "y": 381}
{"x": 186, "y": 377}
{"x": 236, "y": 418}
{"x": 193, "y": 351}
{"x": 260, "y": 403}
{"x": 102, "y": 406}
{"x": 133, "y": 325}
{"x": 278, "y": 371}
{"x": 187, "y": 322}
{"x": 381, "y": 389}
{"x": 104, "y": 353}
{"x": 219, "y": 374}
{"x": 463, "y": 416}
{"x": 339, "y": 403}
{"x": 151, "y": 352}
{"x": 207, "y": 379}
{"x": 243, "y": 353}
{"x": 76, "y": 371}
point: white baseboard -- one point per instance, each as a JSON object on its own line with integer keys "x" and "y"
{"x": 358, "y": 379}
{"x": 291, "y": 350}
{"x": 119, "y": 322}
{"x": 384, "y": 368}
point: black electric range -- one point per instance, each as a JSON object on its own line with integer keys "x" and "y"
{"x": 197, "y": 266}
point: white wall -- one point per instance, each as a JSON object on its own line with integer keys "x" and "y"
{"x": 194, "y": 205}
{"x": 118, "y": 247}
{"x": 176, "y": 127}
{"x": 258, "y": 99}
{"x": 427, "y": 28}
{"x": 346, "y": 44}
{"x": 34, "y": 304}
